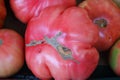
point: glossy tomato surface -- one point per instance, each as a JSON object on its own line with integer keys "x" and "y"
{"x": 26, "y": 9}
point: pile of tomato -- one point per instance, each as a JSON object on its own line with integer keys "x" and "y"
{"x": 63, "y": 40}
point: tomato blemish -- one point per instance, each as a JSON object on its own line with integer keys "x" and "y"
{"x": 65, "y": 52}
{"x": 101, "y": 22}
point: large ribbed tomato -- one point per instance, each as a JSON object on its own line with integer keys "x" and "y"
{"x": 11, "y": 52}
{"x": 106, "y": 15}
{"x": 2, "y": 12}
{"x": 25, "y": 9}
{"x": 59, "y": 44}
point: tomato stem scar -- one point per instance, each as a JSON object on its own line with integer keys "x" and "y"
{"x": 101, "y": 22}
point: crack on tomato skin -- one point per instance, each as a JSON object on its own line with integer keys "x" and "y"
{"x": 101, "y": 22}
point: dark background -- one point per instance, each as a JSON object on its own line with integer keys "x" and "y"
{"x": 102, "y": 72}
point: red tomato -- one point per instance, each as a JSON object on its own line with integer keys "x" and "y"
{"x": 11, "y": 52}
{"x": 25, "y": 9}
{"x": 2, "y": 12}
{"x": 59, "y": 44}
{"x": 106, "y": 16}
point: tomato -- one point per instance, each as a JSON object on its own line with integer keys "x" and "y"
{"x": 114, "y": 58}
{"x": 25, "y": 9}
{"x": 59, "y": 44}
{"x": 106, "y": 16}
{"x": 11, "y": 52}
{"x": 3, "y": 12}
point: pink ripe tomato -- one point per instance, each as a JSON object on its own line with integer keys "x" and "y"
{"x": 11, "y": 52}
{"x": 59, "y": 44}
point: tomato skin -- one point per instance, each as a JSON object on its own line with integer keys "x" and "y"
{"x": 107, "y": 10}
{"x": 3, "y": 12}
{"x": 114, "y": 58}
{"x": 44, "y": 61}
{"x": 26, "y": 9}
{"x": 11, "y": 52}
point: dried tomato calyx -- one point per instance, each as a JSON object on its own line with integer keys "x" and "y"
{"x": 65, "y": 52}
{"x": 101, "y": 22}
{"x": 34, "y": 43}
